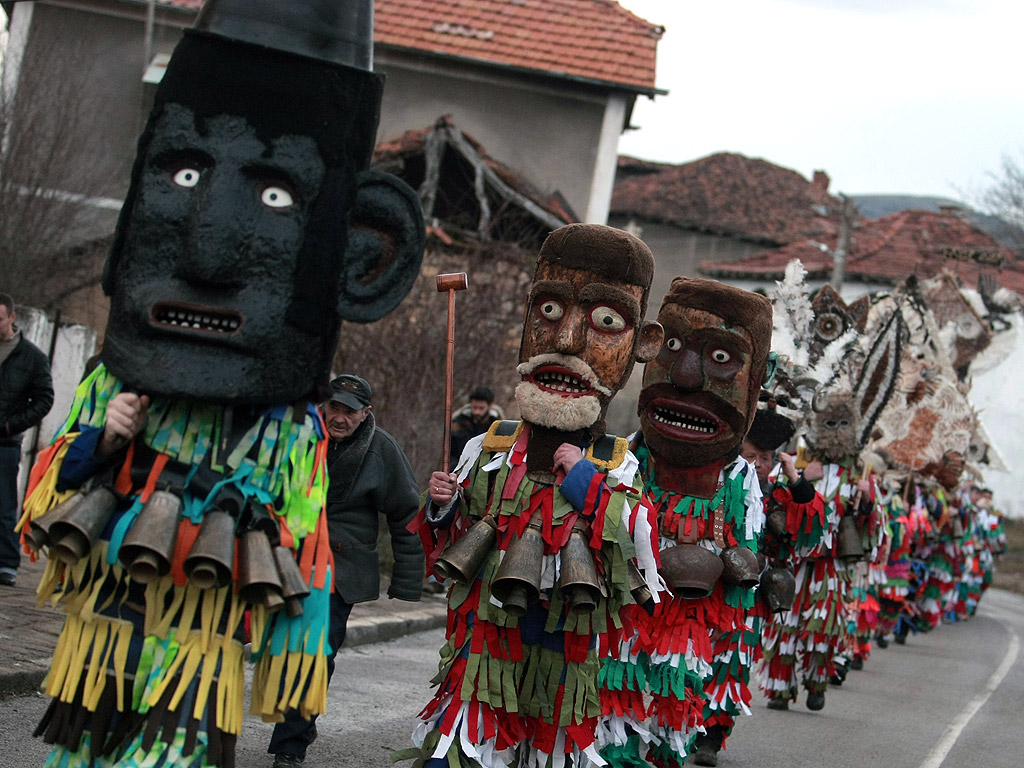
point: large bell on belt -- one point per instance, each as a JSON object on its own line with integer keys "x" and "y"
{"x": 958, "y": 526}
{"x": 740, "y": 567}
{"x": 776, "y": 520}
{"x": 778, "y": 589}
{"x": 848, "y": 545}
{"x": 462, "y": 561}
{"x": 149, "y": 546}
{"x": 517, "y": 582}
{"x": 211, "y": 561}
{"x": 38, "y": 533}
{"x": 258, "y": 580}
{"x": 578, "y": 584}
{"x": 690, "y": 570}
{"x": 75, "y": 532}
{"x": 293, "y": 584}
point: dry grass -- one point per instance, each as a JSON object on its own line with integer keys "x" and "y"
{"x": 1010, "y": 565}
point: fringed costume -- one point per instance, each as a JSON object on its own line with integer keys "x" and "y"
{"x": 892, "y": 596}
{"x": 814, "y": 629}
{"x": 152, "y": 674}
{"x": 692, "y": 656}
{"x": 524, "y": 691}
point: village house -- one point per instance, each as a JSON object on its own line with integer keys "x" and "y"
{"x": 548, "y": 88}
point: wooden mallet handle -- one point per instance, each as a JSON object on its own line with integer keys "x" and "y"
{"x": 452, "y": 282}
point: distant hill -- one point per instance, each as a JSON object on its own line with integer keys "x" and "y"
{"x": 876, "y": 206}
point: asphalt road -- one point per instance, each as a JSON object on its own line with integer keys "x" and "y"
{"x": 954, "y": 697}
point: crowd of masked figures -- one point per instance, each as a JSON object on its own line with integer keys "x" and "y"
{"x": 861, "y": 518}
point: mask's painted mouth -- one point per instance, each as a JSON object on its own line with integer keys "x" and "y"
{"x": 195, "y": 318}
{"x": 560, "y": 381}
{"x": 683, "y": 421}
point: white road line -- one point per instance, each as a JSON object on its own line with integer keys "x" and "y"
{"x": 946, "y": 744}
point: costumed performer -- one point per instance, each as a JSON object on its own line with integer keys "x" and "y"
{"x": 549, "y": 507}
{"x": 187, "y": 485}
{"x": 698, "y": 399}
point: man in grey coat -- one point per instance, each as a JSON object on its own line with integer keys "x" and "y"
{"x": 368, "y": 474}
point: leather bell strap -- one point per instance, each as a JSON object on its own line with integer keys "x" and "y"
{"x": 717, "y": 529}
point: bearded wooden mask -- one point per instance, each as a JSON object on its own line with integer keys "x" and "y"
{"x": 584, "y": 325}
{"x": 700, "y": 393}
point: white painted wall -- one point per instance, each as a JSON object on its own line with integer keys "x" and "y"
{"x": 75, "y": 344}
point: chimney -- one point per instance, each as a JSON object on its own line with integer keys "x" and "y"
{"x": 819, "y": 185}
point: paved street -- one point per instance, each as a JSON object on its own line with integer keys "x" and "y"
{"x": 949, "y": 698}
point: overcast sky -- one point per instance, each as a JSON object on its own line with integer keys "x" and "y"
{"x": 887, "y": 96}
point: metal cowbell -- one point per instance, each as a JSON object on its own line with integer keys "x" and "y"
{"x": 638, "y": 586}
{"x": 462, "y": 561}
{"x": 578, "y": 583}
{"x": 258, "y": 580}
{"x": 517, "y": 582}
{"x": 778, "y": 589}
{"x": 75, "y": 532}
{"x": 690, "y": 570}
{"x": 211, "y": 561}
{"x": 38, "y": 533}
{"x": 293, "y": 584}
{"x": 148, "y": 547}
{"x": 849, "y": 548}
{"x": 740, "y": 567}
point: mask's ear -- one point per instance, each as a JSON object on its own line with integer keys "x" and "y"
{"x": 385, "y": 247}
{"x": 648, "y": 342}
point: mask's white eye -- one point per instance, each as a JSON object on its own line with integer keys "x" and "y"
{"x": 674, "y": 344}
{"x": 187, "y": 177}
{"x": 607, "y": 319}
{"x": 720, "y": 356}
{"x": 552, "y": 310}
{"x": 276, "y": 197}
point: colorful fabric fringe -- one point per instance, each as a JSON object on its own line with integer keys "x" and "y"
{"x": 152, "y": 675}
{"x": 524, "y": 690}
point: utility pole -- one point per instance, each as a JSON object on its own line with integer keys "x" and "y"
{"x": 148, "y": 46}
{"x": 847, "y": 212}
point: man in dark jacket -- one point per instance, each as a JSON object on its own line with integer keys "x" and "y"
{"x": 26, "y": 394}
{"x": 472, "y": 419}
{"x": 368, "y": 474}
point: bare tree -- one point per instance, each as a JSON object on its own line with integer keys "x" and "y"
{"x": 1004, "y": 198}
{"x": 51, "y": 181}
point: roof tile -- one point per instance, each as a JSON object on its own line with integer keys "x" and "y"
{"x": 728, "y": 194}
{"x": 591, "y": 39}
{"x": 888, "y": 249}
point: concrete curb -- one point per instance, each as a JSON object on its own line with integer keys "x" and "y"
{"x": 19, "y": 682}
{"x": 379, "y": 629}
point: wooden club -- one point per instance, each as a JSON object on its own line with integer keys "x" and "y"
{"x": 452, "y": 282}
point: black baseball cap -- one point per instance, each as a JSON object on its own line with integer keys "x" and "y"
{"x": 352, "y": 391}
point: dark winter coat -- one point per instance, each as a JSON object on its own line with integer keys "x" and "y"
{"x": 369, "y": 474}
{"x": 26, "y": 391}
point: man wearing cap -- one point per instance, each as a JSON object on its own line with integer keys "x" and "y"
{"x": 368, "y": 474}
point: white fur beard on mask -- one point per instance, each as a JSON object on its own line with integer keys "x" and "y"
{"x": 548, "y": 409}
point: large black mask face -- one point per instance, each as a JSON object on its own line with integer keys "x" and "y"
{"x": 209, "y": 257}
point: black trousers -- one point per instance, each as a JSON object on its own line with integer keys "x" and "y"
{"x": 295, "y": 733}
{"x": 10, "y": 547}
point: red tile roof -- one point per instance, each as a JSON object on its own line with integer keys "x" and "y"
{"x": 889, "y": 249}
{"x": 595, "y": 40}
{"x": 728, "y": 194}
